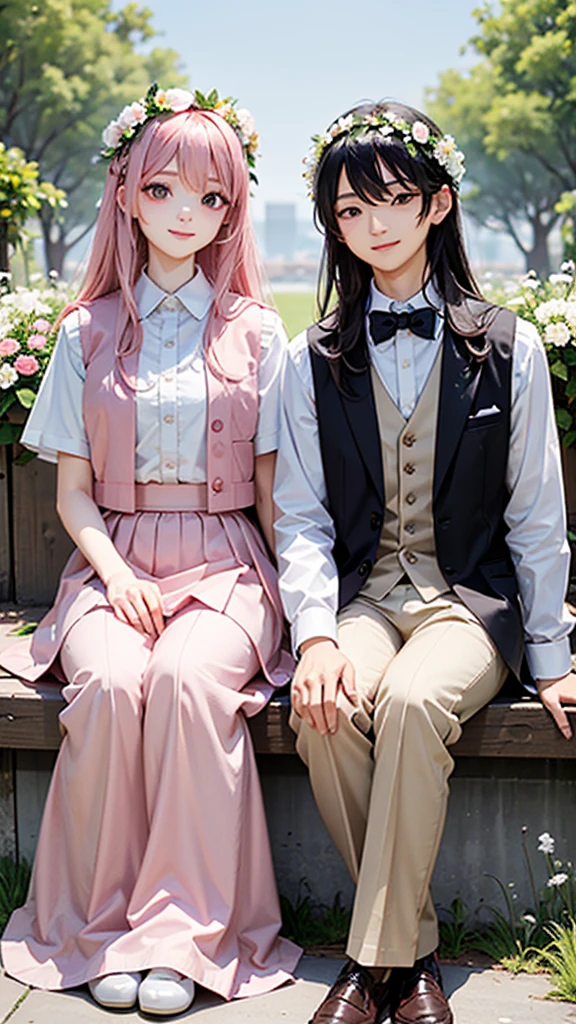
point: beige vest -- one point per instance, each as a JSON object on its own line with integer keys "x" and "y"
{"x": 407, "y": 545}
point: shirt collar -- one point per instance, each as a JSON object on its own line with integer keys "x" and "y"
{"x": 428, "y": 296}
{"x": 195, "y": 296}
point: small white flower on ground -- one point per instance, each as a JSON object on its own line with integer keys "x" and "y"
{"x": 568, "y": 267}
{"x": 179, "y": 99}
{"x": 546, "y": 310}
{"x": 421, "y": 132}
{"x": 532, "y": 283}
{"x": 529, "y": 918}
{"x": 560, "y": 279}
{"x": 557, "y": 334}
{"x": 8, "y": 376}
{"x": 557, "y": 880}
{"x": 546, "y": 843}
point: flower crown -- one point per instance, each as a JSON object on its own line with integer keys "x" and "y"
{"x": 391, "y": 128}
{"x": 119, "y": 134}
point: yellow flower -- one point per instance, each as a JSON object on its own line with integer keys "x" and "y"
{"x": 5, "y": 213}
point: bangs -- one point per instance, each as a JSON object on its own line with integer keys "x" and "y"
{"x": 204, "y": 147}
{"x": 364, "y": 160}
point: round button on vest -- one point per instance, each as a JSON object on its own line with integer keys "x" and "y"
{"x": 410, "y": 498}
{"x": 411, "y": 557}
{"x": 408, "y": 440}
{"x": 217, "y": 426}
{"x": 409, "y": 468}
{"x": 410, "y": 528}
{"x": 217, "y": 485}
{"x": 168, "y": 418}
{"x": 364, "y": 567}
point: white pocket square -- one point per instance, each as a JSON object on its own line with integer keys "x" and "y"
{"x": 486, "y": 412}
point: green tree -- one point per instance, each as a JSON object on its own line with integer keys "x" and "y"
{"x": 21, "y": 196}
{"x": 530, "y": 48}
{"x": 501, "y": 194}
{"x": 66, "y": 68}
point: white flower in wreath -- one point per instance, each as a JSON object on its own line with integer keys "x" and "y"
{"x": 111, "y": 135}
{"x": 178, "y": 99}
{"x": 445, "y": 148}
{"x": 127, "y": 118}
{"x": 420, "y": 132}
{"x": 386, "y": 130}
{"x": 246, "y": 125}
{"x": 557, "y": 334}
{"x": 8, "y": 376}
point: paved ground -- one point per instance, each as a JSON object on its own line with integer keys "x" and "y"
{"x": 477, "y": 997}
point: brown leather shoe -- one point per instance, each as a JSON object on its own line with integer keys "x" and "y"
{"x": 418, "y": 997}
{"x": 355, "y": 998}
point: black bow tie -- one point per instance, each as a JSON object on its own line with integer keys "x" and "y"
{"x": 383, "y": 326}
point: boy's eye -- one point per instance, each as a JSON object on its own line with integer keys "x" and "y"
{"x": 348, "y": 212}
{"x": 214, "y": 200}
{"x": 403, "y": 198}
{"x": 157, "y": 190}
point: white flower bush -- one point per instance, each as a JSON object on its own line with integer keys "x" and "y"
{"x": 551, "y": 306}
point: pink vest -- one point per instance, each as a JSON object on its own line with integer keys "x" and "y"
{"x": 109, "y": 406}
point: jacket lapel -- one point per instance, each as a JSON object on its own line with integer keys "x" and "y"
{"x": 360, "y": 409}
{"x": 459, "y": 383}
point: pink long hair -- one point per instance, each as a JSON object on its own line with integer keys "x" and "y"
{"x": 204, "y": 145}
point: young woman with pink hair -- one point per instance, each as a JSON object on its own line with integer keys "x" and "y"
{"x": 161, "y": 406}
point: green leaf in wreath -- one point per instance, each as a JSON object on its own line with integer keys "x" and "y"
{"x": 26, "y": 397}
{"x": 569, "y": 356}
{"x": 571, "y": 388}
{"x": 569, "y": 439}
{"x": 559, "y": 369}
{"x": 563, "y": 419}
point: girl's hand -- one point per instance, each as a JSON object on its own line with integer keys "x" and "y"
{"x": 321, "y": 671}
{"x": 559, "y": 696}
{"x": 136, "y": 602}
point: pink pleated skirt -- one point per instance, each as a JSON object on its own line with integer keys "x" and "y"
{"x": 220, "y": 560}
{"x": 153, "y": 850}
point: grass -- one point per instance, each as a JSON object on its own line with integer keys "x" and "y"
{"x": 14, "y": 882}
{"x": 313, "y": 925}
{"x": 560, "y": 959}
{"x": 297, "y": 310}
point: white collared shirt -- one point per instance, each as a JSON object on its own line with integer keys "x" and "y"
{"x": 535, "y": 514}
{"x": 171, "y": 400}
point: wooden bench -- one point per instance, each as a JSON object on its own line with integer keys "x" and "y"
{"x": 506, "y": 728}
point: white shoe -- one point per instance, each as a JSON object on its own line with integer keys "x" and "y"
{"x": 165, "y": 992}
{"x": 116, "y": 991}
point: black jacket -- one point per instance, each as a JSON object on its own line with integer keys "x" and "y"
{"x": 470, "y": 493}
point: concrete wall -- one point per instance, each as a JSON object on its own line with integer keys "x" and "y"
{"x": 490, "y": 802}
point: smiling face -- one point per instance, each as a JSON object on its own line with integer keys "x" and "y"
{"x": 176, "y": 221}
{"x": 390, "y": 234}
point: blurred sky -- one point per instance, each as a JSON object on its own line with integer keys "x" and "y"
{"x": 297, "y": 64}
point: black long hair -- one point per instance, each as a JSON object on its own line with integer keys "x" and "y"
{"x": 347, "y": 277}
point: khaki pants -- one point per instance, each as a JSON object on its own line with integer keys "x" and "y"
{"x": 381, "y": 782}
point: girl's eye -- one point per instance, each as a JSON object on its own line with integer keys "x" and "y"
{"x": 403, "y": 198}
{"x": 348, "y": 213}
{"x": 157, "y": 190}
{"x": 214, "y": 200}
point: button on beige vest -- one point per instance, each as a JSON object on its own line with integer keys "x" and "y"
{"x": 407, "y": 545}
